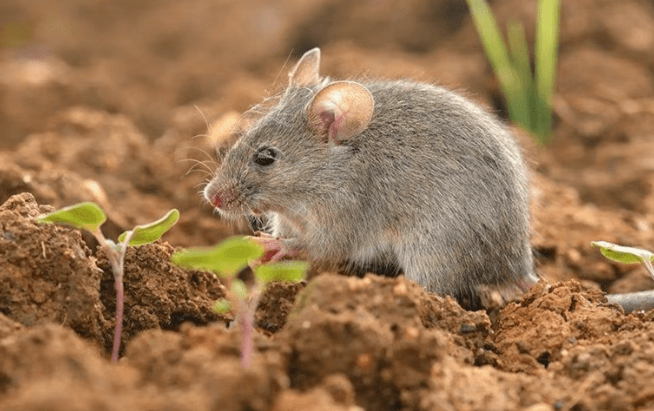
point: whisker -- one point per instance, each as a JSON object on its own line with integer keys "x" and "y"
{"x": 288, "y": 57}
{"x": 195, "y": 169}
{"x": 206, "y": 123}
{"x": 201, "y": 151}
{"x": 203, "y": 184}
{"x": 201, "y": 135}
{"x": 206, "y": 166}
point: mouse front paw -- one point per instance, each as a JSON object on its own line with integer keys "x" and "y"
{"x": 275, "y": 248}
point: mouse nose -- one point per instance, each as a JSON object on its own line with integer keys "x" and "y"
{"x": 216, "y": 201}
{"x": 221, "y": 198}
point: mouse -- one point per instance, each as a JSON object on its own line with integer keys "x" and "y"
{"x": 385, "y": 176}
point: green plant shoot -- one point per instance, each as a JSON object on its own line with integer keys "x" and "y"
{"x": 149, "y": 233}
{"x": 86, "y": 216}
{"x": 226, "y": 260}
{"x": 626, "y": 255}
{"x": 89, "y": 216}
{"x": 529, "y": 98}
{"x": 222, "y": 306}
{"x": 291, "y": 271}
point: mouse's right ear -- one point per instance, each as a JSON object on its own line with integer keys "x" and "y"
{"x": 305, "y": 73}
{"x": 341, "y": 111}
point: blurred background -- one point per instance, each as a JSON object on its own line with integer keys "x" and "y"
{"x": 115, "y": 92}
{"x": 148, "y": 59}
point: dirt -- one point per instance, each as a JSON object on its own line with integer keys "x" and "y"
{"x": 121, "y": 103}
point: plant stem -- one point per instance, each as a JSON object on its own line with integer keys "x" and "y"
{"x": 116, "y": 257}
{"x": 247, "y": 324}
{"x": 247, "y": 328}
{"x": 120, "y": 298}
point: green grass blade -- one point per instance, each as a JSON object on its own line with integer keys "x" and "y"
{"x": 520, "y": 56}
{"x": 149, "y": 233}
{"x": 497, "y": 54}
{"x": 226, "y": 259}
{"x": 547, "y": 44}
{"x": 88, "y": 216}
{"x": 291, "y": 271}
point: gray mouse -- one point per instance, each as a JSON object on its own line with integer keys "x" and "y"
{"x": 384, "y": 176}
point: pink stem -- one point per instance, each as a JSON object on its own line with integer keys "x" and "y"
{"x": 119, "y": 318}
{"x": 116, "y": 256}
{"x": 117, "y": 260}
{"x": 247, "y": 344}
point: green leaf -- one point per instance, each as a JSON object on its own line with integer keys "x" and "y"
{"x": 291, "y": 271}
{"x": 222, "y": 306}
{"x": 88, "y": 216}
{"x": 239, "y": 289}
{"x": 149, "y": 233}
{"x": 225, "y": 259}
{"x": 622, "y": 254}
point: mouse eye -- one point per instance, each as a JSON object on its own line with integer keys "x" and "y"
{"x": 265, "y": 156}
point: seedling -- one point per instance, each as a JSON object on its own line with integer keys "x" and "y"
{"x": 626, "y": 255}
{"x": 226, "y": 260}
{"x": 89, "y": 216}
{"x": 529, "y": 98}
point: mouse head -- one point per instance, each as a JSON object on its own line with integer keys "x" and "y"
{"x": 292, "y": 153}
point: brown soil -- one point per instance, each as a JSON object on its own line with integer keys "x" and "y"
{"x": 101, "y": 101}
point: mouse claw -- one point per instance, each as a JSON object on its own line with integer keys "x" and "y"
{"x": 524, "y": 284}
{"x": 275, "y": 248}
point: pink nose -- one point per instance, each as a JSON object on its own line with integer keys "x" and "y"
{"x": 223, "y": 198}
{"x": 216, "y": 201}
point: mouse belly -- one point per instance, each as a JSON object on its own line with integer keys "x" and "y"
{"x": 377, "y": 260}
{"x": 384, "y": 267}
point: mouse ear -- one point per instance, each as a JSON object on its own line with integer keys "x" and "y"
{"x": 341, "y": 110}
{"x": 305, "y": 73}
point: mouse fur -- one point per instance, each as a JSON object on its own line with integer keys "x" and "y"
{"x": 432, "y": 186}
{"x": 390, "y": 177}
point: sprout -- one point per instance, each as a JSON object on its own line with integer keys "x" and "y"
{"x": 86, "y": 216}
{"x": 89, "y": 216}
{"x": 626, "y": 255}
{"x": 226, "y": 260}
